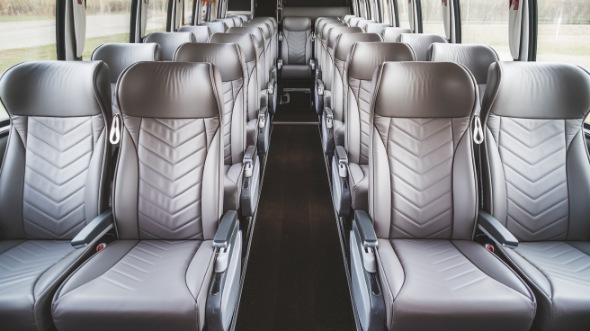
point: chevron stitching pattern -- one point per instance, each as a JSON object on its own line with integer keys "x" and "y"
{"x": 420, "y": 153}
{"x": 297, "y": 46}
{"x": 533, "y": 154}
{"x": 563, "y": 264}
{"x": 362, "y": 91}
{"x": 438, "y": 264}
{"x": 171, "y": 156}
{"x": 22, "y": 265}
{"x": 58, "y": 155}
{"x": 147, "y": 264}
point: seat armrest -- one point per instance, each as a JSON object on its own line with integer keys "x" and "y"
{"x": 367, "y": 233}
{"x": 227, "y": 229}
{"x": 318, "y": 94}
{"x": 251, "y": 181}
{"x": 342, "y": 159}
{"x": 329, "y": 117}
{"x": 320, "y": 87}
{"x": 100, "y": 225}
{"x": 489, "y": 225}
{"x": 328, "y": 131}
{"x": 250, "y": 156}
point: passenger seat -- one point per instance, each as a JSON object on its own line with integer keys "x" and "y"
{"x": 169, "y": 42}
{"x": 202, "y": 32}
{"x": 421, "y": 42}
{"x": 216, "y": 27}
{"x": 392, "y": 34}
{"x": 53, "y": 183}
{"x": 120, "y": 56}
{"x": 296, "y": 48}
{"x": 177, "y": 263}
{"x": 537, "y": 183}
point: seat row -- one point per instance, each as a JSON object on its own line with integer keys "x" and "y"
{"x": 406, "y": 162}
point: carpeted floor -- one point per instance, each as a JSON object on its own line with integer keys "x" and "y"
{"x": 295, "y": 278}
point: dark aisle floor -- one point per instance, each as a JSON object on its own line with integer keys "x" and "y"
{"x": 295, "y": 278}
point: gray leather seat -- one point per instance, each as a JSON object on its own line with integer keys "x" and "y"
{"x": 378, "y": 28}
{"x": 202, "y": 32}
{"x": 120, "y": 56}
{"x": 364, "y": 59}
{"x": 317, "y": 30}
{"x": 347, "y": 18}
{"x": 354, "y": 21}
{"x": 333, "y": 119}
{"x": 415, "y": 252}
{"x": 167, "y": 205}
{"x": 363, "y": 24}
{"x": 257, "y": 116}
{"x": 296, "y": 49}
{"x": 53, "y": 181}
{"x": 169, "y": 42}
{"x": 421, "y": 42}
{"x": 266, "y": 27}
{"x": 233, "y": 72}
{"x": 229, "y": 22}
{"x": 274, "y": 29}
{"x": 215, "y": 27}
{"x": 537, "y": 182}
{"x": 245, "y": 18}
{"x": 393, "y": 34}
{"x": 477, "y": 58}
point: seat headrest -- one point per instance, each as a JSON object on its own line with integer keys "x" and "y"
{"x": 216, "y": 27}
{"x": 264, "y": 26}
{"x": 169, "y": 42}
{"x": 119, "y": 56}
{"x": 378, "y": 28}
{"x": 345, "y": 41}
{"x": 228, "y": 22}
{"x": 421, "y": 42}
{"x": 57, "y": 89}
{"x": 337, "y": 31}
{"x": 477, "y": 58}
{"x": 537, "y": 90}
{"x": 355, "y": 21}
{"x": 296, "y": 23}
{"x": 392, "y": 33}
{"x": 326, "y": 27}
{"x": 365, "y": 58}
{"x": 226, "y": 58}
{"x": 245, "y": 41}
{"x": 425, "y": 90}
{"x": 170, "y": 90}
{"x": 255, "y": 31}
{"x": 202, "y": 33}
{"x": 269, "y": 20}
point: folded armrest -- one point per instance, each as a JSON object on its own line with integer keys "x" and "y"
{"x": 365, "y": 226}
{"x": 489, "y": 225}
{"x": 318, "y": 95}
{"x": 250, "y": 157}
{"x": 227, "y": 229}
{"x": 340, "y": 187}
{"x": 263, "y": 130}
{"x": 100, "y": 225}
{"x": 251, "y": 182}
{"x": 328, "y": 131}
{"x": 342, "y": 159}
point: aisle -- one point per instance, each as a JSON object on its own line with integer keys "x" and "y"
{"x": 295, "y": 278}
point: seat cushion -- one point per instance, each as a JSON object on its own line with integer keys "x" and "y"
{"x": 559, "y": 272}
{"x": 232, "y": 185}
{"x": 432, "y": 284}
{"x": 359, "y": 186}
{"x": 138, "y": 285}
{"x": 30, "y": 272}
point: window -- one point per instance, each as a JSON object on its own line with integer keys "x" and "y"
{"x": 188, "y": 12}
{"x": 403, "y": 7}
{"x": 208, "y": 10}
{"x": 564, "y": 27}
{"x": 156, "y": 16}
{"x": 27, "y": 33}
{"x": 486, "y": 22}
{"x": 432, "y": 17}
{"x": 385, "y": 11}
{"x": 107, "y": 21}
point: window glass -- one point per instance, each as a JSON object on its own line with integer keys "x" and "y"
{"x": 486, "y": 22}
{"x": 188, "y": 12}
{"x": 432, "y": 17}
{"x": 385, "y": 7}
{"x": 402, "y": 8}
{"x": 107, "y": 21}
{"x": 564, "y": 30}
{"x": 27, "y": 33}
{"x": 208, "y": 10}
{"x": 156, "y": 16}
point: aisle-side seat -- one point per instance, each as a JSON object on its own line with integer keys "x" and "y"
{"x": 215, "y": 27}
{"x": 120, "y": 56}
{"x": 477, "y": 58}
{"x": 333, "y": 118}
{"x": 241, "y": 164}
{"x": 363, "y": 24}
{"x": 229, "y": 22}
{"x": 177, "y": 263}
{"x": 202, "y": 32}
{"x": 296, "y": 49}
{"x": 392, "y": 34}
{"x": 53, "y": 183}
{"x": 421, "y": 42}
{"x": 245, "y": 18}
{"x": 169, "y": 42}
{"x": 354, "y": 21}
{"x": 257, "y": 115}
{"x": 378, "y": 28}
{"x": 537, "y": 182}
{"x": 266, "y": 26}
{"x": 350, "y": 187}
{"x": 346, "y": 18}
{"x": 414, "y": 263}
{"x": 317, "y": 37}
